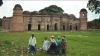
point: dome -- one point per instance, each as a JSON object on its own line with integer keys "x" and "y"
{"x": 26, "y": 12}
{"x": 4, "y": 17}
{"x": 65, "y": 14}
{"x": 72, "y": 16}
{"x": 34, "y": 13}
{"x": 18, "y": 6}
{"x": 83, "y": 10}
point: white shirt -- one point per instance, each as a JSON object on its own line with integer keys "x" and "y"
{"x": 53, "y": 40}
{"x": 45, "y": 45}
{"x": 32, "y": 41}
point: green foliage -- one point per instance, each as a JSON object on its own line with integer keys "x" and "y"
{"x": 52, "y": 9}
{"x": 96, "y": 21}
{"x": 1, "y": 2}
{"x": 94, "y": 24}
{"x": 94, "y": 6}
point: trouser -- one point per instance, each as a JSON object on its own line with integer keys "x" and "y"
{"x": 63, "y": 52}
{"x": 32, "y": 48}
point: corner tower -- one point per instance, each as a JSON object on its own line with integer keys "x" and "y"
{"x": 17, "y": 20}
{"x": 83, "y": 19}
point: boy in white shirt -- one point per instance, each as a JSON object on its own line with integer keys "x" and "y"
{"x": 32, "y": 43}
{"x": 45, "y": 44}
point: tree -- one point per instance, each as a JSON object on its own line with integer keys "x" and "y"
{"x": 94, "y": 24}
{"x": 94, "y": 6}
{"x": 52, "y": 9}
{"x": 1, "y": 2}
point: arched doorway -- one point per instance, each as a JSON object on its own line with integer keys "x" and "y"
{"x": 70, "y": 27}
{"x": 55, "y": 26}
{"x": 47, "y": 27}
{"x": 29, "y": 27}
{"x": 63, "y": 27}
{"x": 76, "y": 27}
{"x": 39, "y": 27}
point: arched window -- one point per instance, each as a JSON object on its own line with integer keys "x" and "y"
{"x": 47, "y": 27}
{"x": 55, "y": 26}
{"x": 83, "y": 14}
{"x": 63, "y": 27}
{"x": 29, "y": 27}
{"x": 70, "y": 27}
{"x": 39, "y": 27}
{"x": 76, "y": 27}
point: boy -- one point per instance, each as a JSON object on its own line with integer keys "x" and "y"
{"x": 59, "y": 45}
{"x": 45, "y": 44}
{"x": 32, "y": 43}
{"x": 63, "y": 46}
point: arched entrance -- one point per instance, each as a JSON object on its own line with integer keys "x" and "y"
{"x": 29, "y": 27}
{"x": 47, "y": 27}
{"x": 70, "y": 27}
{"x": 55, "y": 26}
{"x": 63, "y": 27}
{"x": 39, "y": 27}
{"x": 76, "y": 27}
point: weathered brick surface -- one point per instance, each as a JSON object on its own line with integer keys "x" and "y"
{"x": 83, "y": 20}
{"x": 25, "y": 20}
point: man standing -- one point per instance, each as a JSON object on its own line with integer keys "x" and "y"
{"x": 32, "y": 43}
{"x": 63, "y": 45}
{"x": 45, "y": 44}
{"x": 59, "y": 40}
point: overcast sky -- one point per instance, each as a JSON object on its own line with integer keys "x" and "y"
{"x": 70, "y": 7}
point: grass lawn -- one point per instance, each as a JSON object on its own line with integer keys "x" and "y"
{"x": 79, "y": 43}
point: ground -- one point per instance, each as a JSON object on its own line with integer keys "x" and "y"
{"x": 79, "y": 43}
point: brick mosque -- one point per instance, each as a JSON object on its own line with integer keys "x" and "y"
{"x": 35, "y": 21}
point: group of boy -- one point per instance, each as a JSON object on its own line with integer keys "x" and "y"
{"x": 58, "y": 46}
